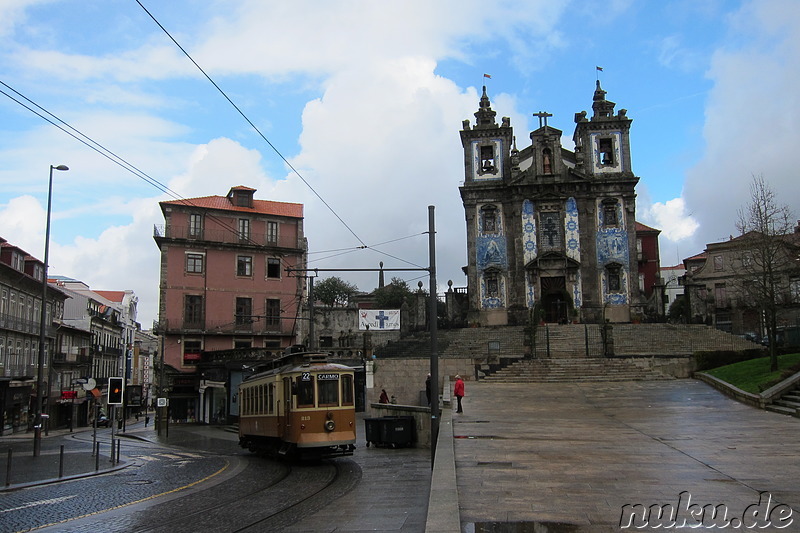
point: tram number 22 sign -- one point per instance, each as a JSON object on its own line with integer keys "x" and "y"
{"x": 306, "y": 376}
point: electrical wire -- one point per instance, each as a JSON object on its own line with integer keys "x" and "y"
{"x": 274, "y": 149}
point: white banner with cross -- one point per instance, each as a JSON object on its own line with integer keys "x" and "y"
{"x": 379, "y": 319}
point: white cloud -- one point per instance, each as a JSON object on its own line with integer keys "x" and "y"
{"x": 671, "y": 218}
{"x": 751, "y": 119}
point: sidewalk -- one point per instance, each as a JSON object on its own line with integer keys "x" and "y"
{"x": 27, "y": 470}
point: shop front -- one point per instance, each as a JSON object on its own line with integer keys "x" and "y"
{"x": 15, "y": 398}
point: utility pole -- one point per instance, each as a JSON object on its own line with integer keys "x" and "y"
{"x": 432, "y": 317}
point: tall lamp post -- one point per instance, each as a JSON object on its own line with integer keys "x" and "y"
{"x": 37, "y": 423}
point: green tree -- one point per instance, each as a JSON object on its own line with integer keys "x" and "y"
{"x": 334, "y": 291}
{"x": 677, "y": 310}
{"x": 393, "y": 295}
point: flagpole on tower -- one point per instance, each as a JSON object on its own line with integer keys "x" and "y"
{"x": 598, "y": 71}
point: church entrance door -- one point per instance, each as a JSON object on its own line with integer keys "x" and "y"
{"x": 554, "y": 300}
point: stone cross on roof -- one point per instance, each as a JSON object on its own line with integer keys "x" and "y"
{"x": 542, "y": 117}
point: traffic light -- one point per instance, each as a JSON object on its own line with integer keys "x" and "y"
{"x": 116, "y": 388}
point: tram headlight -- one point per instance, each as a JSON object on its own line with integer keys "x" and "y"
{"x": 330, "y": 425}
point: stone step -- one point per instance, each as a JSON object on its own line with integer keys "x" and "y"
{"x": 781, "y": 409}
{"x": 787, "y": 403}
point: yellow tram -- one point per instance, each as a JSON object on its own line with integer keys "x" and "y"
{"x": 305, "y": 407}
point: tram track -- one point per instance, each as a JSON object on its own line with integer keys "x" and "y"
{"x": 241, "y": 505}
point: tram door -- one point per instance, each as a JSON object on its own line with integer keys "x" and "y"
{"x": 287, "y": 408}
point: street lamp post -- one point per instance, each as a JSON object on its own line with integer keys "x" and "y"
{"x": 37, "y": 424}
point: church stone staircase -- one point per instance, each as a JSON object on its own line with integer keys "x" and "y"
{"x": 575, "y": 369}
{"x": 501, "y": 350}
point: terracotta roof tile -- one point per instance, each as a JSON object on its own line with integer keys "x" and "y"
{"x": 264, "y": 207}
{"x": 114, "y": 296}
{"x": 642, "y": 227}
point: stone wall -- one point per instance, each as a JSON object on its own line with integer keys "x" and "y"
{"x": 405, "y": 378}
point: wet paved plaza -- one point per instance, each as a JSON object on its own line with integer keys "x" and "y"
{"x": 562, "y": 455}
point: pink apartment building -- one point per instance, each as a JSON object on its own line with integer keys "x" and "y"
{"x": 225, "y": 295}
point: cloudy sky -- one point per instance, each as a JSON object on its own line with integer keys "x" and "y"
{"x": 365, "y": 98}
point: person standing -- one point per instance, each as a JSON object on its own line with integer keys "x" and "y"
{"x": 428, "y": 389}
{"x": 458, "y": 392}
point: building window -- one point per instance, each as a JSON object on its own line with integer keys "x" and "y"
{"x": 244, "y": 265}
{"x": 192, "y": 352}
{"x": 244, "y": 311}
{"x": 193, "y": 311}
{"x": 610, "y": 219}
{"x": 606, "y": 149}
{"x": 273, "y": 268}
{"x": 794, "y": 289}
{"x": 194, "y": 263}
{"x": 614, "y": 278}
{"x": 489, "y": 218}
{"x": 244, "y": 229}
{"x": 273, "y": 312}
{"x": 195, "y": 225}
{"x": 720, "y": 296}
{"x": 719, "y": 264}
{"x": 272, "y": 233}
{"x": 492, "y": 285}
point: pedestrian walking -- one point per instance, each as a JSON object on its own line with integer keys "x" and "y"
{"x": 384, "y": 397}
{"x": 458, "y": 392}
{"x": 428, "y": 389}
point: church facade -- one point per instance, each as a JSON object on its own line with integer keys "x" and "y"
{"x": 550, "y": 231}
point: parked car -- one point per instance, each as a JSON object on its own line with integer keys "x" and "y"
{"x": 751, "y": 336}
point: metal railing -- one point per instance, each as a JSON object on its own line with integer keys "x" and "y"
{"x": 226, "y": 236}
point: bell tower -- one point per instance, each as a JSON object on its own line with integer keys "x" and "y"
{"x": 486, "y": 146}
{"x": 602, "y": 143}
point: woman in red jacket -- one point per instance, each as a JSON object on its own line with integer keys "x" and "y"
{"x": 458, "y": 392}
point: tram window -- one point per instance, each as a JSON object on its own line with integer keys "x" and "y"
{"x": 271, "y": 398}
{"x": 245, "y": 401}
{"x": 262, "y": 406}
{"x": 347, "y": 390}
{"x": 328, "y": 393}
{"x": 305, "y": 392}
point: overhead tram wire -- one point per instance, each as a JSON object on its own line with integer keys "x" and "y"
{"x": 274, "y": 149}
{"x": 344, "y": 251}
{"x": 111, "y": 156}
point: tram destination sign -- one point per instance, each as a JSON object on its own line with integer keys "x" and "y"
{"x": 327, "y": 377}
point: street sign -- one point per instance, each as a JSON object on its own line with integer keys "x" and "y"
{"x": 162, "y": 402}
{"x": 89, "y": 384}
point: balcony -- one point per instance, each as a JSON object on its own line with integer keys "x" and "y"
{"x": 258, "y": 326}
{"x": 19, "y": 371}
{"x": 225, "y": 236}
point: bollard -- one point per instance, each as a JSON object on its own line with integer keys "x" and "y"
{"x": 119, "y": 447}
{"x": 97, "y": 458}
{"x": 61, "y": 462}
{"x": 8, "y": 468}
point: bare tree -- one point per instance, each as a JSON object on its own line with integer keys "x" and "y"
{"x": 767, "y": 250}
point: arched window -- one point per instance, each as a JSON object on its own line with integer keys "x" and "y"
{"x": 547, "y": 161}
